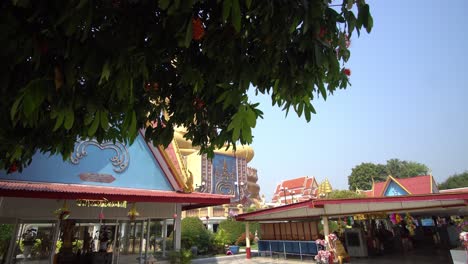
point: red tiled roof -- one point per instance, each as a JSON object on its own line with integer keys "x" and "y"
{"x": 378, "y": 189}
{"x": 76, "y": 191}
{"x": 417, "y": 184}
{"x": 294, "y": 183}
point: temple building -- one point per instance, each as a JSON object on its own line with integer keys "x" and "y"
{"x": 109, "y": 203}
{"x": 424, "y": 184}
{"x": 227, "y": 173}
{"x": 295, "y": 190}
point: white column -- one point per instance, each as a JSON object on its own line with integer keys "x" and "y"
{"x": 147, "y": 239}
{"x": 247, "y": 237}
{"x": 142, "y": 235}
{"x": 177, "y": 228}
{"x": 114, "y": 242}
{"x": 164, "y": 236}
{"x": 326, "y": 229}
{"x": 54, "y": 241}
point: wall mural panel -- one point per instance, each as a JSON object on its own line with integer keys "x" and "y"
{"x": 394, "y": 189}
{"x": 224, "y": 175}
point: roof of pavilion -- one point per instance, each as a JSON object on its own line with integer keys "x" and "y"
{"x": 422, "y": 184}
{"x": 78, "y": 191}
{"x": 139, "y": 172}
{"x": 445, "y": 204}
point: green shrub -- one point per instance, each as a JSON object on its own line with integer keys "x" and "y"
{"x": 194, "y": 233}
{"x": 180, "y": 257}
{"x": 233, "y": 230}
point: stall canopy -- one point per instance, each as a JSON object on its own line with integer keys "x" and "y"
{"x": 429, "y": 204}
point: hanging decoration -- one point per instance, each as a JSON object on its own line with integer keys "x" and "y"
{"x": 410, "y": 224}
{"x": 395, "y": 218}
{"x": 63, "y": 213}
{"x": 133, "y": 213}
{"x": 360, "y": 217}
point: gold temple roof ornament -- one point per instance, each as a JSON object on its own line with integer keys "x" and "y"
{"x": 324, "y": 188}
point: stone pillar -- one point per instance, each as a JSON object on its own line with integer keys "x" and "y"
{"x": 326, "y": 229}
{"x": 164, "y": 236}
{"x": 177, "y": 228}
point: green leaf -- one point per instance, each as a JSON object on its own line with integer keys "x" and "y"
{"x": 133, "y": 126}
{"x": 164, "y": 4}
{"x": 14, "y": 108}
{"x": 351, "y": 23}
{"x": 236, "y": 15}
{"x": 94, "y": 126}
{"x": 188, "y": 34}
{"x": 322, "y": 90}
{"x": 69, "y": 118}
{"x": 104, "y": 120}
{"x": 105, "y": 74}
{"x": 88, "y": 118}
{"x": 235, "y": 134}
{"x": 59, "y": 121}
{"x": 370, "y": 23}
{"x": 227, "y": 5}
{"x": 248, "y": 3}
{"x": 299, "y": 109}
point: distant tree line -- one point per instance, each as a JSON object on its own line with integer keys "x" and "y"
{"x": 459, "y": 180}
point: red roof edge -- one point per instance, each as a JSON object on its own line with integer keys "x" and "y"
{"x": 402, "y": 198}
{"x": 75, "y": 191}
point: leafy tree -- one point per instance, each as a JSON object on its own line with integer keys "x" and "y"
{"x": 104, "y": 69}
{"x": 405, "y": 169}
{"x": 341, "y": 194}
{"x": 362, "y": 175}
{"x": 194, "y": 233}
{"x": 455, "y": 181}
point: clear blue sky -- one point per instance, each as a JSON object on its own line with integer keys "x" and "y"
{"x": 408, "y": 100}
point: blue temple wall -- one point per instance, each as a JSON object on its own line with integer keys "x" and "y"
{"x": 142, "y": 171}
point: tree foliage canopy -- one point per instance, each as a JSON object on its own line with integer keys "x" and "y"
{"x": 362, "y": 175}
{"x": 342, "y": 194}
{"x": 459, "y": 180}
{"x": 105, "y": 69}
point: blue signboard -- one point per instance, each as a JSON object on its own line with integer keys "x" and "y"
{"x": 107, "y": 164}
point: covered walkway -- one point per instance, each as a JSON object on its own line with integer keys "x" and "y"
{"x": 423, "y": 206}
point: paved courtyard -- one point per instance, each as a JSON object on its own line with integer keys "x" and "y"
{"x": 424, "y": 256}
